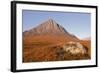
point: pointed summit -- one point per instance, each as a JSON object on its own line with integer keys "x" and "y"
{"x": 50, "y": 20}
{"x": 48, "y": 27}
{"x": 48, "y": 24}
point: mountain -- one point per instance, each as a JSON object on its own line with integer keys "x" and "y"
{"x": 49, "y": 27}
{"x": 49, "y": 41}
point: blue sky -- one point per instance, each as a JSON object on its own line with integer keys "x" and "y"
{"x": 75, "y": 23}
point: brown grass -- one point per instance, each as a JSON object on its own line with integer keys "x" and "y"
{"x": 49, "y": 48}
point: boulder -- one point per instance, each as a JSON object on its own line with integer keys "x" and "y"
{"x": 74, "y": 48}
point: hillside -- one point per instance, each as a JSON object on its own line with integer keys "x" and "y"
{"x": 49, "y": 41}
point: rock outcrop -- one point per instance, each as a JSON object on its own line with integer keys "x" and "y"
{"x": 74, "y": 48}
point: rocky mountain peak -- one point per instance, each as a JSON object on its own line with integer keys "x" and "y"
{"x": 49, "y": 27}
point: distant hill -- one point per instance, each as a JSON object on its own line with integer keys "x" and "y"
{"x": 87, "y": 38}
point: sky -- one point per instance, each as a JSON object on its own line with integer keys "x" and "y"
{"x": 75, "y": 23}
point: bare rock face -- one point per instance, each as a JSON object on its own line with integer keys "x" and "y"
{"x": 49, "y": 27}
{"x": 74, "y": 48}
